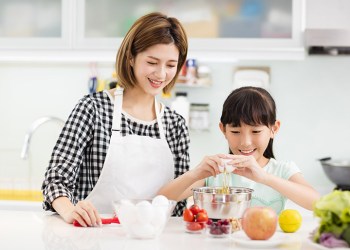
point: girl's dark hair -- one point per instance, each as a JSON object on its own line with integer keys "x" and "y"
{"x": 252, "y": 106}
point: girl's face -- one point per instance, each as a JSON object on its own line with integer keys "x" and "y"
{"x": 249, "y": 140}
{"x": 155, "y": 67}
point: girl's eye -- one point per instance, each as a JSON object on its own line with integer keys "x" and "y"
{"x": 235, "y": 132}
{"x": 152, "y": 63}
{"x": 256, "y": 131}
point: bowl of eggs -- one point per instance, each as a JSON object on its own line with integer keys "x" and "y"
{"x": 144, "y": 219}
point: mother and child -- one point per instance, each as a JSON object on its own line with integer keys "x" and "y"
{"x": 123, "y": 143}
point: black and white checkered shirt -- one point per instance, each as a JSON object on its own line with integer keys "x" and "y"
{"x": 81, "y": 149}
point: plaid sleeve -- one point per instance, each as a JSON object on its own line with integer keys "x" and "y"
{"x": 179, "y": 144}
{"x": 63, "y": 170}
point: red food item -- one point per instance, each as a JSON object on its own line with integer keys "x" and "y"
{"x": 259, "y": 223}
{"x": 219, "y": 227}
{"x": 202, "y": 211}
{"x": 202, "y": 217}
{"x": 195, "y": 209}
{"x": 188, "y": 215}
{"x": 104, "y": 221}
{"x": 195, "y": 226}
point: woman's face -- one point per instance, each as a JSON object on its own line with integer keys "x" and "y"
{"x": 249, "y": 140}
{"x": 155, "y": 67}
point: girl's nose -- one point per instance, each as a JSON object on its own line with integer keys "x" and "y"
{"x": 246, "y": 140}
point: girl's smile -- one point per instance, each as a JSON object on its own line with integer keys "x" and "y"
{"x": 247, "y": 152}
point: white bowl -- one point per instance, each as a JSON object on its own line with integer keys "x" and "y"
{"x": 144, "y": 219}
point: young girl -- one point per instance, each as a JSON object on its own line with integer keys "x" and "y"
{"x": 122, "y": 143}
{"x": 249, "y": 124}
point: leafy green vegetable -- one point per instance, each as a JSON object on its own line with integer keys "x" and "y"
{"x": 346, "y": 235}
{"x": 333, "y": 210}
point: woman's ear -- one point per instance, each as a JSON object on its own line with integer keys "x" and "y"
{"x": 275, "y": 128}
{"x": 132, "y": 62}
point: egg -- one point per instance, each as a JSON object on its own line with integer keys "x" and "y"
{"x": 159, "y": 219}
{"x": 230, "y": 168}
{"x": 126, "y": 213}
{"x": 221, "y": 169}
{"x": 143, "y": 231}
{"x": 160, "y": 200}
{"x": 144, "y": 212}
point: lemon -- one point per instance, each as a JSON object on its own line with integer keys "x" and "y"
{"x": 289, "y": 220}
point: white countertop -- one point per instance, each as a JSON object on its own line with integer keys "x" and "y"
{"x": 38, "y": 230}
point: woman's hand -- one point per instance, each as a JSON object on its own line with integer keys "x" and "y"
{"x": 84, "y": 212}
{"x": 248, "y": 167}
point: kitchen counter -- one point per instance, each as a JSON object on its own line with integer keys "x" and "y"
{"x": 39, "y": 230}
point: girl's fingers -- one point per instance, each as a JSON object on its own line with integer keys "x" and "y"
{"x": 213, "y": 166}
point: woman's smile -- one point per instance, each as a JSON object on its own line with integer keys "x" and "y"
{"x": 155, "y": 84}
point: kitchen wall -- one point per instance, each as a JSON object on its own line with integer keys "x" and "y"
{"x": 312, "y": 99}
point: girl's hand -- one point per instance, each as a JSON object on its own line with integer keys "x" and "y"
{"x": 248, "y": 167}
{"x": 83, "y": 212}
{"x": 209, "y": 166}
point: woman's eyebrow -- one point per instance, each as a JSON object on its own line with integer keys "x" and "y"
{"x": 155, "y": 58}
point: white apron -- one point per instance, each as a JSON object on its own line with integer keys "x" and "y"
{"x": 136, "y": 167}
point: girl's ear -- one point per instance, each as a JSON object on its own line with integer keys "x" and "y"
{"x": 222, "y": 128}
{"x": 275, "y": 128}
{"x": 132, "y": 62}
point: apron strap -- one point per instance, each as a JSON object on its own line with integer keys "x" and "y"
{"x": 159, "y": 119}
{"x": 117, "y": 113}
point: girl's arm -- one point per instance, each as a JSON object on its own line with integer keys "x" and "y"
{"x": 295, "y": 188}
{"x": 181, "y": 187}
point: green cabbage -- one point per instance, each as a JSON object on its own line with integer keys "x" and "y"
{"x": 333, "y": 210}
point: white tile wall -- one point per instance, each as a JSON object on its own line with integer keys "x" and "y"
{"x": 312, "y": 99}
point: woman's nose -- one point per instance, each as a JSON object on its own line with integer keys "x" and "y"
{"x": 161, "y": 72}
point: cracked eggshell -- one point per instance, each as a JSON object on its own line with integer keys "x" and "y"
{"x": 230, "y": 168}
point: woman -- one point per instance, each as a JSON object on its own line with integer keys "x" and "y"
{"x": 121, "y": 143}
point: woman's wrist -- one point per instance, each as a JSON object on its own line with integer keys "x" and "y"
{"x": 64, "y": 208}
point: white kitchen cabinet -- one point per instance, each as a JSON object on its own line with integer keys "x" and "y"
{"x": 217, "y": 30}
{"x": 223, "y": 30}
{"x": 35, "y": 24}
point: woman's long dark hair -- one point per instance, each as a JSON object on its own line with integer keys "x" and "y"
{"x": 252, "y": 106}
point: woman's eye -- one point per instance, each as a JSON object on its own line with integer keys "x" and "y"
{"x": 171, "y": 66}
{"x": 152, "y": 63}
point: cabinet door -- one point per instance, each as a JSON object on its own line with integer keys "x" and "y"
{"x": 212, "y": 26}
{"x": 34, "y": 24}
